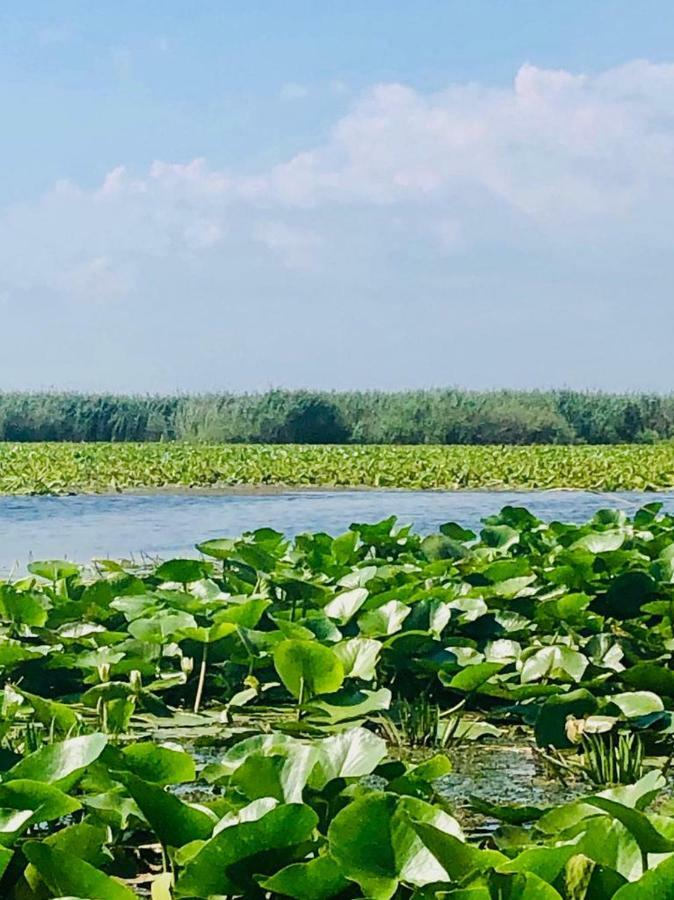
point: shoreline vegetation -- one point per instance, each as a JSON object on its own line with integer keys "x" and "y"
{"x": 67, "y": 468}
{"x": 442, "y": 416}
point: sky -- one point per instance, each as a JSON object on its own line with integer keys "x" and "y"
{"x": 363, "y": 194}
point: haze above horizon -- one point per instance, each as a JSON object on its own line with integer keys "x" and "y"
{"x": 228, "y": 196}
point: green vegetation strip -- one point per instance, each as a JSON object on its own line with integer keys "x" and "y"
{"x": 221, "y": 727}
{"x": 448, "y": 416}
{"x": 75, "y": 468}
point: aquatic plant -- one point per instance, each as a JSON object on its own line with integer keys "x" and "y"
{"x": 298, "y": 655}
{"x": 75, "y": 468}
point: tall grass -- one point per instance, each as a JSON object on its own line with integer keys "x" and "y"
{"x": 449, "y": 416}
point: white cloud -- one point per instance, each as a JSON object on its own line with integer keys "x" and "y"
{"x": 93, "y": 280}
{"x": 557, "y": 162}
{"x": 297, "y": 248}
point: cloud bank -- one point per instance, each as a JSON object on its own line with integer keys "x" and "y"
{"x": 503, "y": 199}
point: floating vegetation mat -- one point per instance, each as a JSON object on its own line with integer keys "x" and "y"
{"x": 76, "y": 468}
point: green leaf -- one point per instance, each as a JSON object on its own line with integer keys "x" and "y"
{"x": 600, "y": 541}
{"x": 458, "y": 859}
{"x": 500, "y": 537}
{"x": 53, "y": 569}
{"x": 66, "y": 875}
{"x": 349, "y": 754}
{"x": 384, "y": 620}
{"x": 347, "y": 705}
{"x": 470, "y": 678}
{"x": 636, "y": 703}
{"x": 521, "y": 886}
{"x": 175, "y": 823}
{"x": 307, "y": 668}
{"x": 46, "y": 800}
{"x": 346, "y": 605}
{"x": 181, "y": 570}
{"x": 655, "y": 884}
{"x": 650, "y": 840}
{"x": 359, "y": 657}
{"x": 51, "y": 712}
{"x": 160, "y": 765}
{"x": 317, "y": 879}
{"x": 162, "y": 627}
{"x": 550, "y": 725}
{"x": 559, "y": 662}
{"x": 440, "y": 546}
{"x": 213, "y": 871}
{"x": 375, "y": 843}
{"x": 545, "y": 862}
{"x": 650, "y": 677}
{"x": 56, "y": 762}
{"x": 24, "y": 607}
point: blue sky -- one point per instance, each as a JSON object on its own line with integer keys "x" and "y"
{"x": 228, "y": 195}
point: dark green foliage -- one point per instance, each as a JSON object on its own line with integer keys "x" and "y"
{"x": 360, "y": 417}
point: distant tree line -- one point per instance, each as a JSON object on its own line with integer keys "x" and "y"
{"x": 360, "y": 417}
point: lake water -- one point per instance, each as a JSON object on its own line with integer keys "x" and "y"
{"x": 167, "y": 524}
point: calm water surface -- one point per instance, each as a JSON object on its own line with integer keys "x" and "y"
{"x": 164, "y": 524}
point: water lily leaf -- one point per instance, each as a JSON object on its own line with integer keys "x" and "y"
{"x": 585, "y": 879}
{"x": 60, "y": 761}
{"x": 500, "y": 537}
{"x": 24, "y": 607}
{"x": 557, "y": 661}
{"x": 45, "y": 799}
{"x": 512, "y": 814}
{"x": 550, "y": 725}
{"x": 51, "y": 712}
{"x": 440, "y": 546}
{"x": 213, "y": 871}
{"x": 345, "y": 606}
{"x": 349, "y": 754}
{"x": 346, "y": 705}
{"x": 318, "y": 879}
{"x": 219, "y": 548}
{"x": 65, "y": 875}
{"x": 248, "y": 613}
{"x": 375, "y": 843}
{"x": 657, "y": 882}
{"x": 175, "y": 823}
{"x": 181, "y": 570}
{"x": 600, "y": 541}
{"x": 160, "y": 765}
{"x": 521, "y": 886}
{"x": 457, "y": 532}
{"x": 470, "y": 678}
{"x": 384, "y": 620}
{"x": 418, "y": 781}
{"x": 650, "y": 840}
{"x": 650, "y": 677}
{"x": 636, "y": 703}
{"x": 216, "y": 632}
{"x": 359, "y": 657}
{"x": 53, "y": 569}
{"x": 161, "y": 887}
{"x": 162, "y": 627}
{"x": 307, "y": 668}
{"x": 457, "y": 858}
{"x": 545, "y": 862}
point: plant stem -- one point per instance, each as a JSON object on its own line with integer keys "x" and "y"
{"x": 202, "y": 678}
